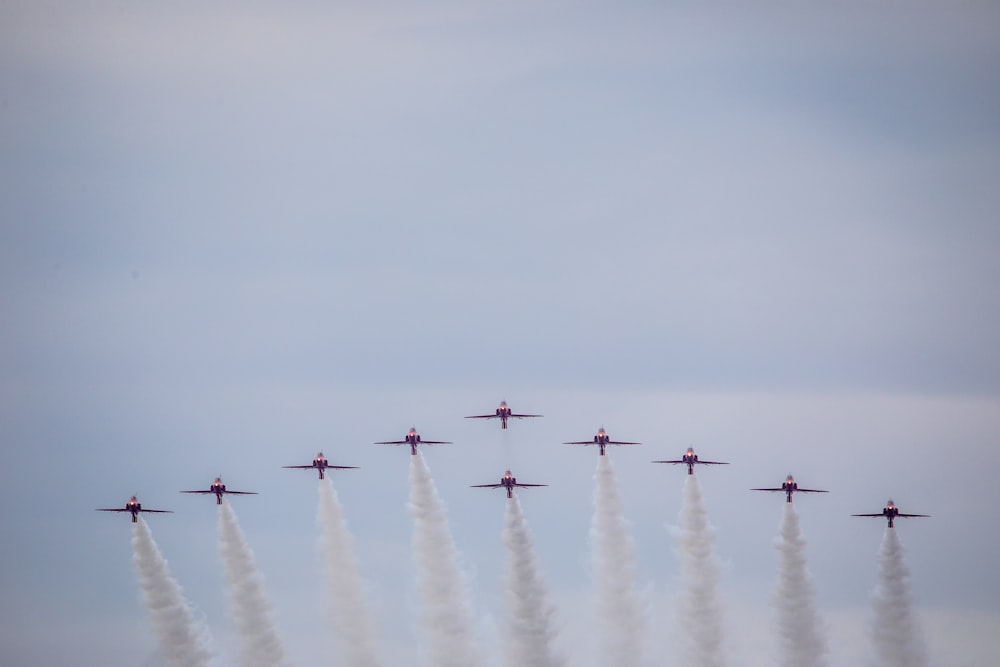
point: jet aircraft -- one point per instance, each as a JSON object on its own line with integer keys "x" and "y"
{"x": 602, "y": 439}
{"x": 320, "y": 463}
{"x": 508, "y": 481}
{"x": 790, "y": 486}
{"x": 890, "y": 511}
{"x": 691, "y": 459}
{"x": 503, "y": 413}
{"x": 412, "y": 438}
{"x": 218, "y": 488}
{"x": 133, "y": 506}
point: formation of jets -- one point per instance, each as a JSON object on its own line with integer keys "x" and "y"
{"x": 507, "y": 481}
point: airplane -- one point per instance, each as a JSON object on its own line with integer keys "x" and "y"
{"x": 412, "y": 438}
{"x": 321, "y": 464}
{"x": 790, "y": 486}
{"x": 691, "y": 459}
{"x": 133, "y": 506}
{"x": 218, "y": 488}
{"x": 891, "y": 512}
{"x": 508, "y": 481}
{"x": 503, "y": 413}
{"x": 602, "y": 439}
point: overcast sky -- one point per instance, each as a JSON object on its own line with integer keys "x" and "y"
{"x": 234, "y": 234}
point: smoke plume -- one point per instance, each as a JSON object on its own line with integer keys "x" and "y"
{"x": 895, "y": 632}
{"x": 345, "y": 600}
{"x": 529, "y": 612}
{"x": 446, "y": 612}
{"x": 800, "y": 631}
{"x": 183, "y": 640}
{"x": 260, "y": 645}
{"x": 620, "y": 613}
{"x": 699, "y": 603}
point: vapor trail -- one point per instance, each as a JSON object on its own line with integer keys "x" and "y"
{"x": 260, "y": 645}
{"x": 446, "y": 612}
{"x": 183, "y": 640}
{"x": 800, "y": 630}
{"x": 351, "y": 617}
{"x": 620, "y": 613}
{"x": 699, "y": 605}
{"x": 529, "y": 612}
{"x": 895, "y": 632}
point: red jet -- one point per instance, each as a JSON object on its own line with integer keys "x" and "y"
{"x": 412, "y": 438}
{"x": 320, "y": 463}
{"x": 691, "y": 459}
{"x": 508, "y": 481}
{"x": 503, "y": 413}
{"x": 218, "y": 488}
{"x": 790, "y": 486}
{"x": 890, "y": 511}
{"x": 133, "y": 506}
{"x": 602, "y": 440}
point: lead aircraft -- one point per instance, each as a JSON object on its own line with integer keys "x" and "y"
{"x": 890, "y": 511}
{"x": 602, "y": 439}
{"x": 218, "y": 488}
{"x": 790, "y": 486}
{"x": 691, "y": 459}
{"x": 503, "y": 413}
{"x": 412, "y": 438}
{"x": 508, "y": 481}
{"x": 320, "y": 463}
{"x": 133, "y": 506}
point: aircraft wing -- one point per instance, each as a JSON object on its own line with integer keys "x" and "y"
{"x": 485, "y": 486}
{"x": 112, "y": 509}
{"x": 879, "y": 515}
{"x": 581, "y": 442}
{"x": 771, "y": 490}
{"x": 435, "y": 442}
{"x": 242, "y": 493}
{"x": 622, "y": 442}
{"x": 157, "y": 511}
{"x": 393, "y": 442}
{"x": 914, "y": 515}
{"x": 523, "y": 416}
{"x": 668, "y": 461}
{"x": 202, "y": 491}
{"x": 341, "y": 467}
{"x": 484, "y": 416}
{"x": 712, "y": 463}
{"x": 801, "y": 490}
{"x": 519, "y": 484}
{"x": 303, "y": 467}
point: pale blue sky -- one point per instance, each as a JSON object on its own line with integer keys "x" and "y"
{"x": 231, "y": 236}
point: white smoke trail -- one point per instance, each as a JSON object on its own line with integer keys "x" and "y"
{"x": 699, "y": 604}
{"x": 895, "y": 632}
{"x": 260, "y": 645}
{"x": 446, "y": 612}
{"x": 529, "y": 612}
{"x": 184, "y": 641}
{"x": 620, "y": 613}
{"x": 801, "y": 633}
{"x": 351, "y": 617}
